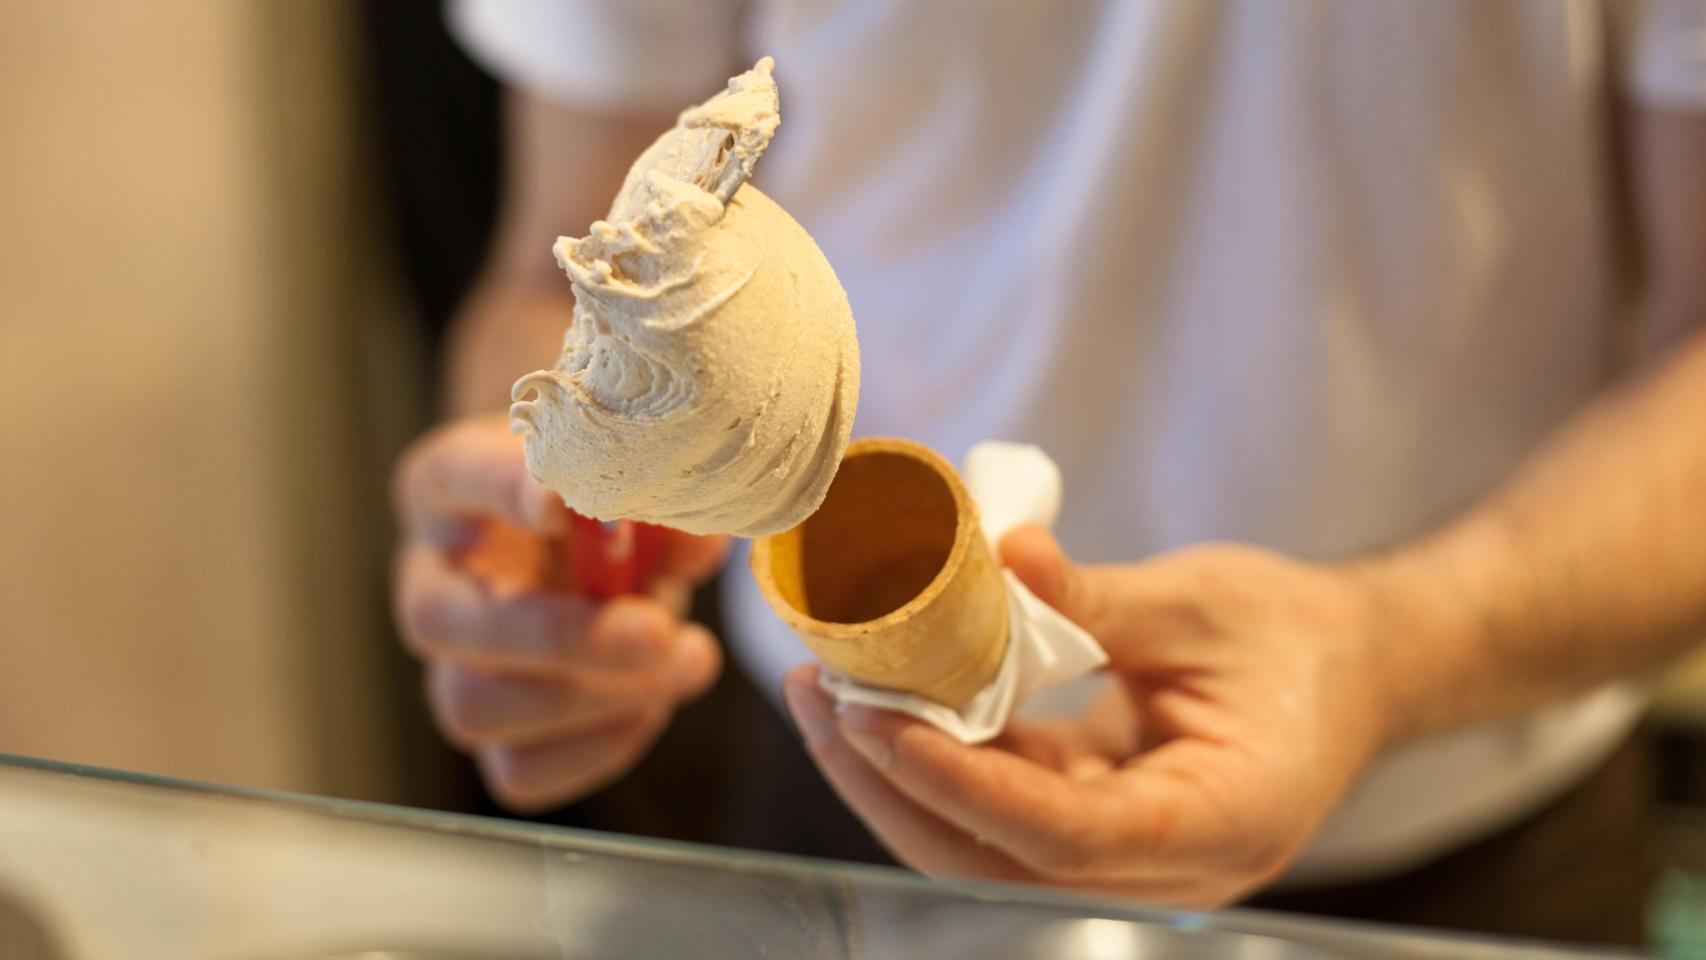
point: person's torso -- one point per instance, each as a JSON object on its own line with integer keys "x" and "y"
{"x": 1311, "y": 277}
{"x": 1308, "y": 276}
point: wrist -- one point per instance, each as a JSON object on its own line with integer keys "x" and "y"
{"x": 1426, "y": 632}
{"x": 504, "y": 330}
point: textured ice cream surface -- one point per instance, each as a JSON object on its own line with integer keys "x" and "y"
{"x": 710, "y": 372}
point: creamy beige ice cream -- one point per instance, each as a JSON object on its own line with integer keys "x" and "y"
{"x": 710, "y": 372}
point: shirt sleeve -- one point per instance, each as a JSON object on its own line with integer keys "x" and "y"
{"x": 1667, "y": 54}
{"x": 604, "y": 53}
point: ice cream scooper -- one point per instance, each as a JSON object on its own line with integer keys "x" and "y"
{"x": 605, "y": 559}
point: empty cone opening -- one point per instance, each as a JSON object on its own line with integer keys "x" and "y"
{"x": 890, "y": 582}
{"x": 885, "y": 530}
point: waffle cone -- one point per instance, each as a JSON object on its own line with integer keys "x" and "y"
{"x": 891, "y": 581}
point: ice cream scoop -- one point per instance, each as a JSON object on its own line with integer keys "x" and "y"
{"x": 710, "y": 372}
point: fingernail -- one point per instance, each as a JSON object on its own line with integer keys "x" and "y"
{"x": 814, "y": 724}
{"x": 856, "y": 725}
{"x": 635, "y": 637}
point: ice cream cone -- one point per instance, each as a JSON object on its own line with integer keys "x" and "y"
{"x": 891, "y": 581}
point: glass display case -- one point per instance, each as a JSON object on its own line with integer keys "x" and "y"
{"x": 97, "y": 864}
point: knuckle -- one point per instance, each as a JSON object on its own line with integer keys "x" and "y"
{"x": 631, "y": 633}
{"x": 426, "y": 613}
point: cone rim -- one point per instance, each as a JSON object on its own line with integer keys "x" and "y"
{"x": 965, "y": 527}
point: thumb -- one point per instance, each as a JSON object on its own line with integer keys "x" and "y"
{"x": 1085, "y": 594}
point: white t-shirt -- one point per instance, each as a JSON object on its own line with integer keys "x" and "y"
{"x": 1312, "y": 277}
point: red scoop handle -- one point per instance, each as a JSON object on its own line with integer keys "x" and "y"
{"x": 605, "y": 560}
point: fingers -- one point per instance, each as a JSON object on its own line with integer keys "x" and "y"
{"x": 544, "y": 742}
{"x": 1161, "y": 817}
{"x": 534, "y": 777}
{"x": 1045, "y": 821}
{"x": 475, "y": 708}
{"x": 467, "y": 469}
{"x": 925, "y": 806}
{"x": 696, "y": 664}
{"x": 444, "y": 612}
{"x": 1059, "y": 744}
{"x": 554, "y": 694}
{"x": 1031, "y": 553}
{"x": 917, "y": 837}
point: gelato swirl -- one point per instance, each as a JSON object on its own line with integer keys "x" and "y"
{"x": 710, "y": 373}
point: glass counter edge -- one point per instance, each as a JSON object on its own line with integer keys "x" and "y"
{"x": 578, "y": 840}
{"x": 1321, "y": 932}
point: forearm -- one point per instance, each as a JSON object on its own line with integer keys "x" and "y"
{"x": 504, "y": 329}
{"x": 1587, "y": 566}
{"x": 562, "y": 165}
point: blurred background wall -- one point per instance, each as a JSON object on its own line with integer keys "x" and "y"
{"x": 205, "y": 369}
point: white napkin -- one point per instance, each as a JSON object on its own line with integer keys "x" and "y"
{"x": 1012, "y": 484}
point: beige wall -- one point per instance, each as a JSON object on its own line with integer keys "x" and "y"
{"x": 187, "y": 546}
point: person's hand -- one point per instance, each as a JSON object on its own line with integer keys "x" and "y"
{"x": 554, "y": 695}
{"x": 1249, "y": 701}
